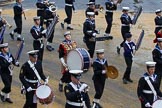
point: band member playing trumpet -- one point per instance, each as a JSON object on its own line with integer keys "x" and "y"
{"x": 157, "y": 54}
{"x": 68, "y": 10}
{"x": 91, "y": 8}
{"x": 129, "y": 49}
{"x": 6, "y": 60}
{"x": 90, "y": 33}
{"x": 125, "y": 28}
{"x": 99, "y": 77}
{"x": 76, "y": 92}
{"x": 147, "y": 90}
{"x": 64, "y": 48}
{"x": 18, "y": 11}
{"x": 38, "y": 32}
{"x": 158, "y": 21}
{"x": 31, "y": 74}
{"x": 110, "y": 7}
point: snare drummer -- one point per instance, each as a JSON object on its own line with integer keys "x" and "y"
{"x": 99, "y": 77}
{"x": 30, "y": 76}
{"x": 149, "y": 80}
{"x": 63, "y": 51}
{"x": 76, "y": 92}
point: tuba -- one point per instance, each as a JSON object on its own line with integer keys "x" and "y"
{"x": 112, "y": 72}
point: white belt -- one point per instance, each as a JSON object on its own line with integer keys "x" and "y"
{"x": 39, "y": 9}
{"x": 109, "y": 11}
{"x": 147, "y": 91}
{"x": 31, "y": 81}
{"x": 40, "y": 39}
{"x": 51, "y": 19}
{"x": 124, "y": 25}
{"x": 69, "y": 5}
{"x": 74, "y": 103}
{"x": 158, "y": 25}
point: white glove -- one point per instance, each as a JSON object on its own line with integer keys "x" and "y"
{"x": 133, "y": 47}
{"x": 103, "y": 71}
{"x": 10, "y": 60}
{"x": 29, "y": 89}
{"x": 147, "y": 105}
{"x": 63, "y": 62}
{"x": 46, "y": 81}
{"x": 83, "y": 87}
{"x": 94, "y": 34}
{"x": 44, "y": 31}
{"x": 17, "y": 63}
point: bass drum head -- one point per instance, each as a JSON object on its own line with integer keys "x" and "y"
{"x": 157, "y": 104}
{"x": 74, "y": 60}
{"x": 43, "y": 92}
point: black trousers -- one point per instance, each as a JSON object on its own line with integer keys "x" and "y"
{"x": 68, "y": 10}
{"x": 7, "y": 81}
{"x": 18, "y": 22}
{"x": 50, "y": 39}
{"x": 91, "y": 47}
{"x": 41, "y": 14}
{"x": 37, "y": 46}
{"x": 128, "y": 61}
{"x": 66, "y": 77}
{"x": 158, "y": 72}
{"x": 99, "y": 84}
{"x": 124, "y": 30}
{"x": 109, "y": 20}
{"x": 29, "y": 100}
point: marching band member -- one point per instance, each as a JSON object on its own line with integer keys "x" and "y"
{"x": 6, "y": 60}
{"x": 129, "y": 49}
{"x": 31, "y": 74}
{"x": 147, "y": 90}
{"x": 91, "y": 8}
{"x": 159, "y": 35}
{"x": 18, "y": 11}
{"x": 63, "y": 51}
{"x": 50, "y": 12}
{"x": 158, "y": 21}
{"x": 125, "y": 28}
{"x": 110, "y": 7}
{"x": 157, "y": 54}
{"x": 99, "y": 77}
{"x": 68, "y": 10}
{"x": 90, "y": 33}
{"x": 41, "y": 6}
{"x": 2, "y": 23}
{"x": 37, "y": 31}
{"x": 76, "y": 92}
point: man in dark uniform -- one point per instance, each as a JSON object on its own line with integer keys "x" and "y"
{"x": 157, "y": 57}
{"x": 99, "y": 77}
{"x": 50, "y": 12}
{"x": 129, "y": 49}
{"x": 63, "y": 51}
{"x": 110, "y": 7}
{"x": 18, "y": 11}
{"x": 147, "y": 90}
{"x": 90, "y": 33}
{"x": 31, "y": 74}
{"x": 68, "y": 10}
{"x": 158, "y": 21}
{"x": 125, "y": 28}
{"x": 41, "y": 6}
{"x": 91, "y": 8}
{"x": 6, "y": 60}
{"x": 76, "y": 92}
{"x": 38, "y": 32}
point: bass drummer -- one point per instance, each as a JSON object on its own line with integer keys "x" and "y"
{"x": 64, "y": 48}
{"x": 147, "y": 90}
{"x": 30, "y": 76}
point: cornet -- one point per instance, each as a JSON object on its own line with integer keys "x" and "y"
{"x": 5, "y": 21}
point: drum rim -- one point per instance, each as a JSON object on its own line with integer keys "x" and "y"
{"x": 155, "y": 102}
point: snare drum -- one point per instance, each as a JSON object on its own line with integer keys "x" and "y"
{"x": 44, "y": 94}
{"x": 157, "y": 104}
{"x": 78, "y": 59}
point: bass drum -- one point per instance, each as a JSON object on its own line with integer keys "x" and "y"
{"x": 157, "y": 104}
{"x": 78, "y": 59}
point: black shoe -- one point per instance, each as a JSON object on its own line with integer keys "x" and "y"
{"x": 19, "y": 39}
{"x": 12, "y": 36}
{"x": 62, "y": 25}
{"x": 130, "y": 80}
{"x": 49, "y": 48}
{"x": 9, "y": 100}
{"x": 118, "y": 50}
{"x": 125, "y": 81}
{"x": 70, "y": 28}
{"x": 2, "y": 98}
{"x": 60, "y": 87}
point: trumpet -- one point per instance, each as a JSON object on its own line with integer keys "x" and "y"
{"x": 5, "y": 22}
